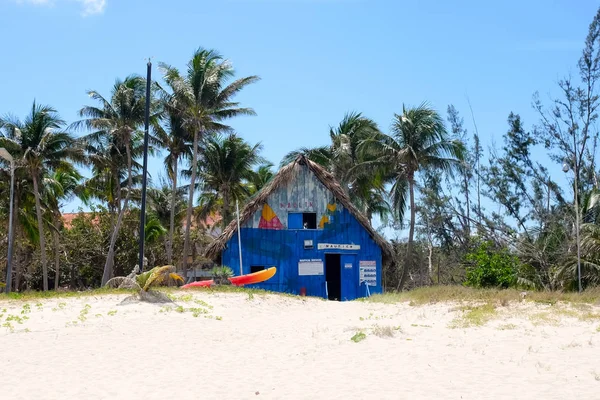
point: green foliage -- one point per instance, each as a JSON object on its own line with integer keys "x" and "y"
{"x": 358, "y": 336}
{"x": 222, "y": 271}
{"x": 158, "y": 276}
{"x": 491, "y": 267}
{"x": 225, "y": 168}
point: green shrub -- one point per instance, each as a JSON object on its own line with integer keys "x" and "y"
{"x": 491, "y": 267}
{"x": 221, "y": 275}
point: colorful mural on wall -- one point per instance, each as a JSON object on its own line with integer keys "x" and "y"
{"x": 305, "y": 193}
{"x": 328, "y": 217}
{"x": 268, "y": 219}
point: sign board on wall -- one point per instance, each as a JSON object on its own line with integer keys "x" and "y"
{"x": 310, "y": 267}
{"x": 348, "y": 265}
{"x": 368, "y": 273}
{"x": 328, "y": 246}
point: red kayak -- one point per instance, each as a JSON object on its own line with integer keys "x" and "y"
{"x": 248, "y": 279}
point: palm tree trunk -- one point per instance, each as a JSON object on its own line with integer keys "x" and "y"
{"x": 226, "y": 201}
{"x": 109, "y": 265}
{"x": 190, "y": 205}
{"x": 40, "y": 222}
{"x": 411, "y": 232}
{"x": 15, "y": 243}
{"x": 117, "y": 193}
{"x": 172, "y": 217}
{"x": 56, "y": 258}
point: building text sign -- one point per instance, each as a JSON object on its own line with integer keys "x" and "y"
{"x": 295, "y": 205}
{"x": 335, "y": 246}
{"x": 310, "y": 267}
{"x": 368, "y": 273}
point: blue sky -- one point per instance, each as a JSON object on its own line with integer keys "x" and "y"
{"x": 317, "y": 58}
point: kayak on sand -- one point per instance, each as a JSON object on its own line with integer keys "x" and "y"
{"x": 255, "y": 277}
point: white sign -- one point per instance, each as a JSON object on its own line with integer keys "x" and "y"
{"x": 368, "y": 273}
{"x": 310, "y": 267}
{"x": 326, "y": 246}
{"x": 348, "y": 265}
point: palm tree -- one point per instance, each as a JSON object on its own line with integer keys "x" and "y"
{"x": 61, "y": 186}
{"x": 24, "y": 223}
{"x": 40, "y": 145}
{"x": 260, "y": 178}
{"x": 351, "y": 164}
{"x": 166, "y": 205}
{"x": 203, "y": 100}
{"x": 109, "y": 172}
{"x": 418, "y": 141}
{"x": 115, "y": 123}
{"x": 226, "y": 165}
{"x": 175, "y": 141}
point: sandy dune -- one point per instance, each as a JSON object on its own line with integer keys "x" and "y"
{"x": 231, "y": 346}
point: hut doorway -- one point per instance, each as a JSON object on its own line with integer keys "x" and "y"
{"x": 333, "y": 276}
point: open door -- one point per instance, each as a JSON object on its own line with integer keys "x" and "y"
{"x": 333, "y": 276}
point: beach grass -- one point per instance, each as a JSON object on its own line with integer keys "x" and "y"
{"x": 53, "y": 294}
{"x": 420, "y": 296}
{"x": 435, "y": 294}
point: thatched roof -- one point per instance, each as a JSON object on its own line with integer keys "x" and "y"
{"x": 285, "y": 175}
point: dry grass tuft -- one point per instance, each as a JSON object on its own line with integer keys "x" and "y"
{"x": 385, "y": 331}
{"x": 506, "y": 327}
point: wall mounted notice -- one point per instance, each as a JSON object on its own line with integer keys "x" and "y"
{"x": 310, "y": 267}
{"x": 327, "y": 246}
{"x": 348, "y": 265}
{"x": 368, "y": 273}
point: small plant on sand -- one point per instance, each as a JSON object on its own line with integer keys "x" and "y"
{"x": 26, "y": 309}
{"x": 144, "y": 282}
{"x": 219, "y": 318}
{"x": 196, "y": 312}
{"x": 358, "y": 336}
{"x": 250, "y": 296}
{"x": 82, "y": 314}
{"x": 112, "y": 313}
{"x": 8, "y": 326}
{"x": 221, "y": 275}
{"x": 186, "y": 297}
{"x": 203, "y": 303}
{"x": 474, "y": 316}
{"x": 17, "y": 318}
{"x": 39, "y": 306}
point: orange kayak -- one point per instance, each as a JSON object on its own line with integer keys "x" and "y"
{"x": 248, "y": 279}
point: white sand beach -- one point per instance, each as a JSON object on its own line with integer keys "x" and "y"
{"x": 237, "y": 346}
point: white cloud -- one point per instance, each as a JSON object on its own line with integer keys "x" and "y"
{"x": 89, "y": 7}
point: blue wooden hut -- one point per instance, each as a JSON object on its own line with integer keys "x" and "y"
{"x": 303, "y": 223}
